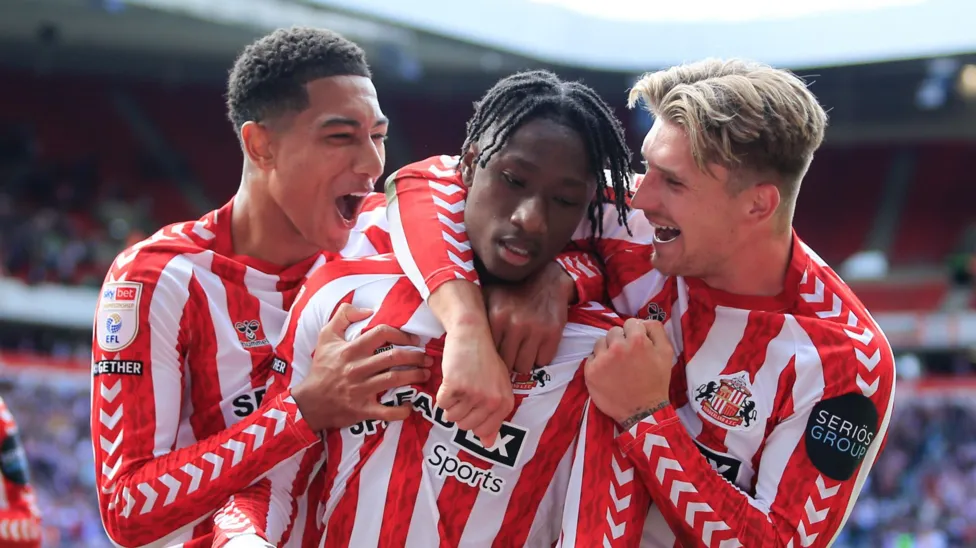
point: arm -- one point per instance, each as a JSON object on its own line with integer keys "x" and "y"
{"x": 265, "y": 513}
{"x": 146, "y": 489}
{"x": 334, "y": 381}
{"x": 606, "y": 504}
{"x": 807, "y": 483}
{"x": 20, "y": 521}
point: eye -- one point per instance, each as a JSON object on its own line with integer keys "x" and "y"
{"x": 339, "y": 137}
{"x": 567, "y": 203}
{"x": 672, "y": 182}
{"x": 513, "y": 181}
{"x": 379, "y": 136}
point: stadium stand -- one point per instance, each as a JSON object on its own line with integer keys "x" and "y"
{"x": 90, "y": 163}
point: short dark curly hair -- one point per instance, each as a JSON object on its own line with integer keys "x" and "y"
{"x": 269, "y": 77}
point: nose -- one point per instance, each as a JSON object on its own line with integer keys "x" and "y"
{"x": 530, "y": 215}
{"x": 371, "y": 159}
{"x": 647, "y": 197}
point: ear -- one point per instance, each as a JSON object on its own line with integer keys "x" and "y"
{"x": 763, "y": 201}
{"x": 257, "y": 140}
{"x": 468, "y": 165}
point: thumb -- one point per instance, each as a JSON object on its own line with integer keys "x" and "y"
{"x": 344, "y": 316}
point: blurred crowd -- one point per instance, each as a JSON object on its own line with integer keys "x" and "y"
{"x": 59, "y": 222}
{"x": 53, "y": 422}
{"x": 921, "y": 491}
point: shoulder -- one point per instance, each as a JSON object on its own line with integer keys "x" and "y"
{"x": 441, "y": 168}
{"x": 146, "y": 260}
{"x": 840, "y": 349}
{"x": 341, "y": 276}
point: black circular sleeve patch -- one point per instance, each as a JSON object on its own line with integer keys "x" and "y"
{"x": 839, "y": 432}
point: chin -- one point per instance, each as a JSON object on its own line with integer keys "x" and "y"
{"x": 501, "y": 271}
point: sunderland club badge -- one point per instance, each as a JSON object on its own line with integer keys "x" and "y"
{"x": 727, "y": 401}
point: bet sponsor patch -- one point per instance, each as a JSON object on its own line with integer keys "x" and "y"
{"x": 839, "y": 432}
{"x": 117, "y": 318}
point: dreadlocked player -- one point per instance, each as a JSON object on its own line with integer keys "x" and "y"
{"x": 532, "y": 170}
{"x": 477, "y": 388}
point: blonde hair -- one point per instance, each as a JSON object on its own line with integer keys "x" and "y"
{"x": 739, "y": 114}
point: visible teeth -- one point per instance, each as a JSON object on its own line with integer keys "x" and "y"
{"x": 359, "y": 194}
{"x": 517, "y": 250}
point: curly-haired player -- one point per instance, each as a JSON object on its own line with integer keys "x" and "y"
{"x": 186, "y": 318}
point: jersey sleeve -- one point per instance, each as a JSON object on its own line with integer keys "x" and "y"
{"x": 813, "y": 465}
{"x": 424, "y": 200}
{"x": 268, "y": 512}
{"x": 146, "y": 488}
{"x": 20, "y": 521}
{"x": 606, "y": 504}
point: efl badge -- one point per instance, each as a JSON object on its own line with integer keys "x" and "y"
{"x": 727, "y": 401}
{"x": 117, "y": 320}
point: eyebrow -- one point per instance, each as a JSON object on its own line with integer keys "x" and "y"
{"x": 651, "y": 165}
{"x": 334, "y": 121}
{"x": 528, "y": 165}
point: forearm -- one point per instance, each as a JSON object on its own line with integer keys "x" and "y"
{"x": 702, "y": 508}
{"x": 268, "y": 509}
{"x": 459, "y": 304}
{"x": 152, "y": 497}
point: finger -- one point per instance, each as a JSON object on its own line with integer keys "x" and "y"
{"x": 376, "y": 410}
{"x": 397, "y": 357}
{"x": 394, "y": 379}
{"x": 487, "y": 430}
{"x": 458, "y": 411}
{"x": 526, "y": 357}
{"x": 511, "y": 342}
{"x": 473, "y": 420}
{"x": 497, "y": 322}
{"x": 634, "y": 328}
{"x": 380, "y": 336}
{"x": 344, "y": 316}
{"x": 547, "y": 351}
{"x": 615, "y": 336}
{"x": 446, "y": 398}
{"x": 600, "y": 346}
{"x": 655, "y": 332}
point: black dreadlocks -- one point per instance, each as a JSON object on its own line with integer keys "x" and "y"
{"x": 525, "y": 96}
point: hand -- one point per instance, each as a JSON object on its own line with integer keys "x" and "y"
{"x": 629, "y": 373}
{"x": 346, "y": 378}
{"x": 476, "y": 391}
{"x": 527, "y": 319}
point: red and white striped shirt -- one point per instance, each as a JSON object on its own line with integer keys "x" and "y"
{"x": 422, "y": 481}
{"x": 768, "y": 395}
{"x": 184, "y": 333}
{"x": 20, "y": 521}
{"x": 278, "y": 514}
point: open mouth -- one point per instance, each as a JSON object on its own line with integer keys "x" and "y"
{"x": 515, "y": 253}
{"x": 348, "y": 206}
{"x": 664, "y": 234}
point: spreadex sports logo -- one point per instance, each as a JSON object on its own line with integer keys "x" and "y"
{"x": 442, "y": 459}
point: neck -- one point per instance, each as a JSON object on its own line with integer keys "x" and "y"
{"x": 758, "y": 268}
{"x": 260, "y": 229}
